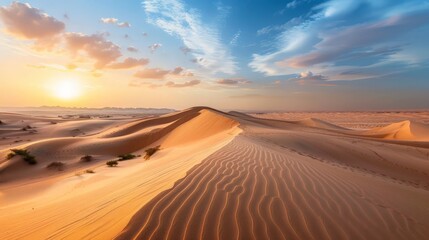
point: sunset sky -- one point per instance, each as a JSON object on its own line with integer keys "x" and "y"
{"x": 237, "y": 54}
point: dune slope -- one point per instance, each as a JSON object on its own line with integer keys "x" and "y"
{"x": 72, "y": 204}
{"x": 280, "y": 183}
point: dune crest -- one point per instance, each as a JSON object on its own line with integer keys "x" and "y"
{"x": 405, "y": 130}
{"x": 185, "y": 127}
{"x": 314, "y": 122}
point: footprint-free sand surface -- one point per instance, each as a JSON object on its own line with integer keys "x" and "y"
{"x": 217, "y": 176}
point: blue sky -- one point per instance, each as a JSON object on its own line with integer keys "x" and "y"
{"x": 316, "y": 53}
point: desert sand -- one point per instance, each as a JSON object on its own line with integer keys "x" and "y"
{"x": 217, "y": 175}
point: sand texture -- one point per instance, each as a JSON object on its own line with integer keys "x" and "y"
{"x": 218, "y": 176}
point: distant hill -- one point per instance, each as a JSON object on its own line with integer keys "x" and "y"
{"x": 58, "y": 110}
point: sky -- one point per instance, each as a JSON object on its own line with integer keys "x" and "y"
{"x": 253, "y": 55}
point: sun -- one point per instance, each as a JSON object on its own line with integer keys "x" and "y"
{"x": 66, "y": 89}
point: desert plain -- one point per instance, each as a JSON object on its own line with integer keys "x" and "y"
{"x": 216, "y": 175}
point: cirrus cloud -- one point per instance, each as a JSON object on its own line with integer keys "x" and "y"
{"x": 308, "y": 78}
{"x": 337, "y": 37}
{"x": 174, "y": 18}
{"x": 233, "y": 81}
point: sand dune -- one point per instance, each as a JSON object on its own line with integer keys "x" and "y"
{"x": 405, "y": 130}
{"x": 314, "y": 122}
{"x": 223, "y": 176}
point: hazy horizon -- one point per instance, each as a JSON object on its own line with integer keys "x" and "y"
{"x": 298, "y": 55}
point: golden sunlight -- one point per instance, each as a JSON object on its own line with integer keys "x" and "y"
{"x": 66, "y": 89}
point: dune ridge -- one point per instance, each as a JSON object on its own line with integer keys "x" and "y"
{"x": 405, "y": 130}
{"x": 174, "y": 129}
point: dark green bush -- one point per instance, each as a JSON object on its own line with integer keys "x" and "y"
{"x": 30, "y": 159}
{"x": 151, "y": 151}
{"x": 87, "y": 158}
{"x": 112, "y": 163}
{"x": 127, "y": 156}
{"x": 24, "y": 153}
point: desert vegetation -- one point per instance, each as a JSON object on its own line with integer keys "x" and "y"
{"x": 151, "y": 151}
{"x": 24, "y": 153}
{"x": 87, "y": 158}
{"x": 127, "y": 156}
{"x": 59, "y": 166}
{"x": 112, "y": 163}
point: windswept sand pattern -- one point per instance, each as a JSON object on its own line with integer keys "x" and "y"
{"x": 219, "y": 176}
{"x": 250, "y": 190}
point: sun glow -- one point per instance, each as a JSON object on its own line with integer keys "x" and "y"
{"x": 66, "y": 89}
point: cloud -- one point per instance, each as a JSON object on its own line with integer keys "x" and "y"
{"x": 57, "y": 67}
{"x": 124, "y": 25}
{"x": 173, "y": 17}
{"x": 308, "y": 78}
{"x": 179, "y": 71}
{"x": 343, "y": 36}
{"x": 94, "y": 46}
{"x": 185, "y": 50}
{"x": 282, "y": 27}
{"x": 294, "y": 3}
{"x": 132, "y": 49}
{"x": 114, "y": 21}
{"x": 232, "y": 81}
{"x": 129, "y": 63}
{"x": 109, "y": 20}
{"x": 185, "y": 84}
{"x": 235, "y": 38}
{"x": 154, "y": 47}
{"x": 23, "y": 21}
{"x": 151, "y": 73}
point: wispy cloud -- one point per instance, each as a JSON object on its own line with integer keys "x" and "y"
{"x": 151, "y": 73}
{"x": 124, "y": 25}
{"x": 109, "y": 20}
{"x": 129, "y": 63}
{"x": 116, "y": 22}
{"x": 337, "y": 38}
{"x": 235, "y": 38}
{"x": 176, "y": 19}
{"x": 181, "y": 85}
{"x": 154, "y": 47}
{"x": 132, "y": 49}
{"x": 308, "y": 78}
{"x": 161, "y": 74}
{"x": 233, "y": 81}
